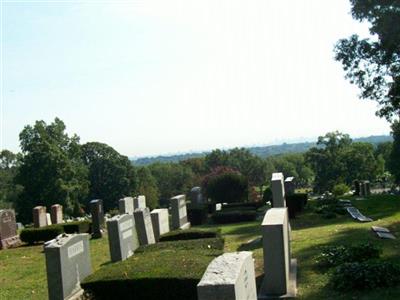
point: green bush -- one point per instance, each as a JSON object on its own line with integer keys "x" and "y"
{"x": 337, "y": 255}
{"x": 223, "y": 217}
{"x": 365, "y": 275}
{"x": 252, "y": 205}
{"x": 197, "y": 215}
{"x": 340, "y": 189}
{"x": 208, "y": 243}
{"x": 166, "y": 274}
{"x": 190, "y": 234}
{"x": 267, "y": 195}
{"x": 227, "y": 187}
{"x": 77, "y": 227}
{"x": 43, "y": 234}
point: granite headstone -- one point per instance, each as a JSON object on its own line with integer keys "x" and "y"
{"x": 160, "y": 222}
{"x": 144, "y": 226}
{"x": 8, "y": 229}
{"x": 39, "y": 216}
{"x": 126, "y": 206}
{"x": 278, "y": 190}
{"x": 179, "y": 212}
{"x": 97, "y": 212}
{"x": 56, "y": 214}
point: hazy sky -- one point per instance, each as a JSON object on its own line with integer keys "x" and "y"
{"x": 154, "y": 77}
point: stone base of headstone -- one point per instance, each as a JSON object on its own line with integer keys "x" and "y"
{"x": 291, "y": 285}
{"x": 185, "y": 226}
{"x": 11, "y": 242}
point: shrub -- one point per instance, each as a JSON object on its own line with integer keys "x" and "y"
{"x": 340, "y": 189}
{"x": 227, "y": 187}
{"x": 216, "y": 243}
{"x": 253, "y": 205}
{"x": 197, "y": 215}
{"x": 145, "y": 276}
{"x": 267, "y": 195}
{"x": 223, "y": 217}
{"x": 77, "y": 227}
{"x": 365, "y": 275}
{"x": 43, "y": 234}
{"x": 336, "y": 255}
{"x": 190, "y": 234}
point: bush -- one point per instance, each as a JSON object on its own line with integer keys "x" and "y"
{"x": 208, "y": 243}
{"x": 145, "y": 276}
{"x": 190, "y": 234}
{"x": 267, "y": 195}
{"x": 43, "y": 234}
{"x": 365, "y": 275}
{"x": 223, "y": 217}
{"x": 197, "y": 215}
{"x": 253, "y": 205}
{"x": 336, "y": 255}
{"x": 227, "y": 187}
{"x": 77, "y": 227}
{"x": 340, "y": 189}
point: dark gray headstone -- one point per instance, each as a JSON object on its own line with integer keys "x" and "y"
{"x": 278, "y": 190}
{"x": 289, "y": 186}
{"x": 8, "y": 229}
{"x": 196, "y": 196}
{"x": 67, "y": 264}
{"x": 39, "y": 216}
{"x": 144, "y": 226}
{"x": 179, "y": 212}
{"x": 356, "y": 188}
{"x": 122, "y": 237}
{"x": 97, "y": 211}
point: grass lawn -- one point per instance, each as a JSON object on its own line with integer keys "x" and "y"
{"x": 22, "y": 270}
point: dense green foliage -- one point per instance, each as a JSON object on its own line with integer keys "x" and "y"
{"x": 9, "y": 191}
{"x": 147, "y": 186}
{"x": 340, "y": 189}
{"x": 234, "y": 216}
{"x": 77, "y": 227}
{"x": 43, "y": 234}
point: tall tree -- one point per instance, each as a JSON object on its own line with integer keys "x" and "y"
{"x": 111, "y": 174}
{"x": 9, "y": 191}
{"x": 51, "y": 169}
{"x": 147, "y": 185}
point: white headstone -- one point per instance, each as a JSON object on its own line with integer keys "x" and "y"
{"x": 126, "y": 205}
{"x": 139, "y": 202}
{"x": 160, "y": 221}
{"x": 179, "y": 212}
{"x": 144, "y": 226}
{"x": 48, "y": 219}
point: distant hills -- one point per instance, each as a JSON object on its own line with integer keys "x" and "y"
{"x": 262, "y": 151}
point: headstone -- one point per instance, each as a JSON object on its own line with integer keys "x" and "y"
{"x": 126, "y": 206}
{"x": 356, "y": 188}
{"x": 139, "y": 202}
{"x": 8, "y": 229}
{"x": 20, "y": 226}
{"x": 279, "y": 269}
{"x": 48, "y": 219}
{"x": 97, "y": 211}
{"x": 278, "y": 190}
{"x": 196, "y": 196}
{"x": 218, "y": 206}
{"x": 160, "y": 222}
{"x": 367, "y": 188}
{"x": 289, "y": 186}
{"x": 39, "y": 216}
{"x": 56, "y": 214}
{"x": 144, "y": 226}
{"x": 67, "y": 264}
{"x": 230, "y": 276}
{"x": 179, "y": 212}
{"x": 122, "y": 237}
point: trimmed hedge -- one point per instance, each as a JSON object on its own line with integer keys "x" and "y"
{"x": 209, "y": 243}
{"x": 225, "y": 217}
{"x": 254, "y": 205}
{"x": 167, "y": 274}
{"x": 77, "y": 227}
{"x": 190, "y": 234}
{"x": 43, "y": 234}
{"x": 197, "y": 215}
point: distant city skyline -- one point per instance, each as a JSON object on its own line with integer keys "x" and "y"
{"x": 164, "y": 77}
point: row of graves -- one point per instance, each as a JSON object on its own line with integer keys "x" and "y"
{"x": 68, "y": 256}
{"x": 228, "y": 276}
{"x": 362, "y": 188}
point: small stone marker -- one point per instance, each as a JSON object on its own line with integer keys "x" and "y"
{"x": 355, "y": 214}
{"x": 122, "y": 237}
{"x": 97, "y": 211}
{"x": 230, "y": 276}
{"x": 218, "y": 207}
{"x": 179, "y": 212}
{"x": 279, "y": 269}
{"x": 56, "y": 214}
{"x": 278, "y": 190}
{"x": 144, "y": 226}
{"x": 160, "y": 222}
{"x": 383, "y": 232}
{"x": 48, "y": 219}
{"x": 8, "y": 229}
{"x": 126, "y": 206}
{"x": 196, "y": 196}
{"x": 67, "y": 264}
{"x": 139, "y": 202}
{"x": 289, "y": 186}
{"x": 39, "y": 216}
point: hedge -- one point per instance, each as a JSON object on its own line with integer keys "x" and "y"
{"x": 77, "y": 227}
{"x": 190, "y": 234}
{"x": 225, "y": 217}
{"x": 295, "y": 203}
{"x": 254, "y": 205}
{"x": 208, "y": 243}
{"x": 197, "y": 215}
{"x": 167, "y": 274}
{"x": 43, "y": 234}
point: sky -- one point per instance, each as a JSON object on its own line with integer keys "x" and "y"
{"x": 157, "y": 77}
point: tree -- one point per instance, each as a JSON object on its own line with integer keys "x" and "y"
{"x": 9, "y": 191}
{"x": 394, "y": 166}
{"x": 111, "y": 174}
{"x": 147, "y": 186}
{"x": 51, "y": 169}
{"x": 373, "y": 64}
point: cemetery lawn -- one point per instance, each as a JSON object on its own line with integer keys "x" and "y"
{"x": 22, "y": 270}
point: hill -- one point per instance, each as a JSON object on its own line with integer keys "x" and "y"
{"x": 262, "y": 151}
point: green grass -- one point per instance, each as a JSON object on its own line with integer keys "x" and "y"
{"x": 22, "y": 270}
